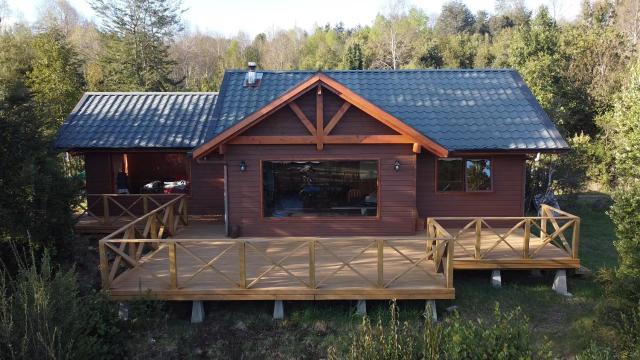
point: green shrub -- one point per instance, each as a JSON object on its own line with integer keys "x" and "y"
{"x": 624, "y": 282}
{"x": 506, "y": 337}
{"x": 43, "y": 316}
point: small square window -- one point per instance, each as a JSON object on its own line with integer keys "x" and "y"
{"x": 450, "y": 175}
{"x": 478, "y": 174}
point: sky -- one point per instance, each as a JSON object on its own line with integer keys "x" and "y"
{"x": 255, "y": 16}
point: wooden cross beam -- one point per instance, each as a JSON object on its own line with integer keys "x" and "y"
{"x": 319, "y": 118}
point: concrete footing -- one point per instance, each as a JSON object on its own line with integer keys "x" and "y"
{"x": 278, "y": 310}
{"x": 496, "y": 279}
{"x": 560, "y": 283}
{"x": 430, "y": 308}
{"x": 123, "y": 311}
{"x": 361, "y": 307}
{"x": 197, "y": 312}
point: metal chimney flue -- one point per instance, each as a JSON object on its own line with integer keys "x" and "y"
{"x": 251, "y": 74}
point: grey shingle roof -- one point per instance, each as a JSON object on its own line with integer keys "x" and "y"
{"x": 459, "y": 109}
{"x": 137, "y": 120}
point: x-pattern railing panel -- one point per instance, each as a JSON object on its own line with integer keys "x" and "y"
{"x": 276, "y": 264}
{"x": 562, "y": 223}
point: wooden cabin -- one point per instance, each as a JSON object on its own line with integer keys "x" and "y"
{"x": 280, "y": 166}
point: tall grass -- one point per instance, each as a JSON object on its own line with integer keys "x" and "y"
{"x": 508, "y": 336}
{"x": 43, "y": 315}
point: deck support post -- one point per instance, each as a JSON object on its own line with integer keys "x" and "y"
{"x": 560, "y": 282}
{"x": 536, "y": 273}
{"x": 361, "y": 307}
{"x": 496, "y": 279}
{"x": 430, "y": 309}
{"x": 278, "y": 310}
{"x": 197, "y": 312}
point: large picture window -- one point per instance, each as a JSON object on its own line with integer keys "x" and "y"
{"x": 471, "y": 175}
{"x": 320, "y": 188}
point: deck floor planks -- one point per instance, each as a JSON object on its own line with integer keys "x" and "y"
{"x": 420, "y": 282}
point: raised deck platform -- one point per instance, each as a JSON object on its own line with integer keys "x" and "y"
{"x": 159, "y": 256}
{"x": 208, "y": 266}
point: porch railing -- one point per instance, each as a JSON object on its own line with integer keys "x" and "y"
{"x": 154, "y": 225}
{"x": 249, "y": 263}
{"x": 553, "y": 227}
{"x": 108, "y": 209}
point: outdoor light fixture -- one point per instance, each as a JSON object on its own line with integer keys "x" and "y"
{"x": 396, "y": 165}
{"x": 243, "y": 165}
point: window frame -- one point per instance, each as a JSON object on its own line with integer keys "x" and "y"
{"x": 377, "y": 217}
{"x": 465, "y": 189}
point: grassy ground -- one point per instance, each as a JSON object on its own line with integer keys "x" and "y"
{"x": 245, "y": 330}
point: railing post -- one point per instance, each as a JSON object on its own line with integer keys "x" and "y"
{"x": 478, "y": 238}
{"x": 243, "y": 268}
{"x": 380, "y": 243}
{"x": 450, "y": 255}
{"x": 575, "y": 238}
{"x": 173, "y": 266}
{"x": 185, "y": 219}
{"x": 105, "y": 209}
{"x": 145, "y": 204}
{"x": 104, "y": 266}
{"x": 170, "y": 219}
{"x": 312, "y": 264}
{"x": 527, "y": 237}
{"x": 543, "y": 222}
{"x": 430, "y": 234}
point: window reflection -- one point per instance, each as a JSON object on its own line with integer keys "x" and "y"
{"x": 320, "y": 188}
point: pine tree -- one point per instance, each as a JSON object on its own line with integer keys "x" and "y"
{"x": 55, "y": 79}
{"x": 137, "y": 34}
{"x": 353, "y": 57}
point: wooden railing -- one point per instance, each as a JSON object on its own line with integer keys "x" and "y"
{"x": 153, "y": 225}
{"x": 108, "y": 209}
{"x": 553, "y": 227}
{"x": 311, "y": 263}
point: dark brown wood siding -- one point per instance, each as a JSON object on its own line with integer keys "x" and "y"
{"x": 396, "y": 195}
{"x": 506, "y": 199}
{"x": 98, "y": 174}
{"x": 207, "y": 189}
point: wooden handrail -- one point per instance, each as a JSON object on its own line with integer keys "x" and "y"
{"x": 525, "y": 223}
{"x": 145, "y": 216}
{"x": 107, "y": 202}
{"x": 175, "y": 280}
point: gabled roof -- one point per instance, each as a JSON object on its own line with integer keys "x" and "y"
{"x": 321, "y": 80}
{"x": 459, "y": 110}
{"x": 462, "y": 110}
{"x": 129, "y": 120}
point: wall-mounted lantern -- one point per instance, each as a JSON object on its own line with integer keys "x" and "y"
{"x": 396, "y": 165}
{"x": 243, "y": 166}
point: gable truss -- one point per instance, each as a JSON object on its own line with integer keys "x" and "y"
{"x": 321, "y": 134}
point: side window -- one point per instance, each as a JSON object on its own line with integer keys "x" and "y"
{"x": 478, "y": 174}
{"x": 450, "y": 175}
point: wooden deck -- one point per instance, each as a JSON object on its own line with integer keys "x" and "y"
{"x": 165, "y": 255}
{"x": 509, "y": 256}
{"x": 208, "y": 267}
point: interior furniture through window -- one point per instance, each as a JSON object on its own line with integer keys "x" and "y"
{"x": 320, "y": 188}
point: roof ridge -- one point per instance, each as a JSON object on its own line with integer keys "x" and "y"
{"x": 151, "y": 92}
{"x": 374, "y": 70}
